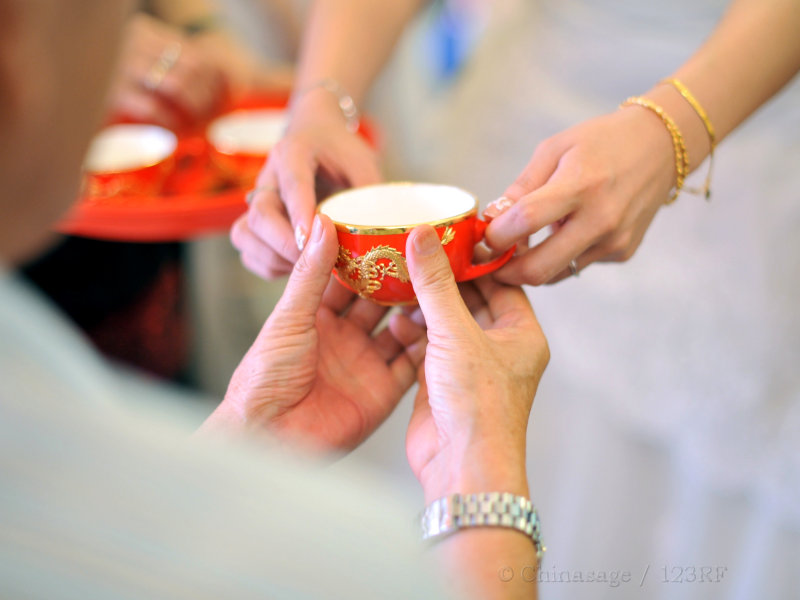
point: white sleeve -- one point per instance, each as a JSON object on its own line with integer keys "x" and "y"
{"x": 101, "y": 502}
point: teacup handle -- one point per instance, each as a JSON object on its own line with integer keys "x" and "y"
{"x": 475, "y": 271}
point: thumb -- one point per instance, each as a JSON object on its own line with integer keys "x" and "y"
{"x": 432, "y": 277}
{"x": 311, "y": 274}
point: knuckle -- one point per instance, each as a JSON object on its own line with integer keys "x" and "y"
{"x": 545, "y": 147}
{"x": 254, "y": 217}
{"x": 621, "y": 246}
{"x": 237, "y": 233}
{"x": 606, "y": 219}
{"x": 534, "y": 274}
{"x": 527, "y": 213}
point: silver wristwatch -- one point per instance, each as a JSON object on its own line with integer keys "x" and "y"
{"x": 492, "y": 509}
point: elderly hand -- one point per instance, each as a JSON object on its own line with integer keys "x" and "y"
{"x": 317, "y": 373}
{"x": 468, "y": 428}
{"x": 317, "y": 148}
{"x": 597, "y": 185}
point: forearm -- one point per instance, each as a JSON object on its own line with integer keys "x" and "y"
{"x": 750, "y": 56}
{"x": 485, "y": 562}
{"x": 350, "y": 40}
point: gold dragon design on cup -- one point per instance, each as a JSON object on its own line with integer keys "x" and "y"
{"x": 366, "y": 273}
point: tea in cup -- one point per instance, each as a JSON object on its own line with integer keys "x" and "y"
{"x": 129, "y": 159}
{"x": 373, "y": 223}
{"x": 241, "y": 140}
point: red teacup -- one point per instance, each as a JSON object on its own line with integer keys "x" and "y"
{"x": 129, "y": 159}
{"x": 373, "y": 224}
{"x": 241, "y": 140}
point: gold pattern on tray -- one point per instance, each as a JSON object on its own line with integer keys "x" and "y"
{"x": 365, "y": 274}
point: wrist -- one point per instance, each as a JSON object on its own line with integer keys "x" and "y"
{"x": 480, "y": 466}
{"x": 325, "y": 100}
{"x": 691, "y": 127}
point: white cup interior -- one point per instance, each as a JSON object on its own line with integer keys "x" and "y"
{"x": 398, "y": 205}
{"x": 129, "y": 147}
{"x": 248, "y": 131}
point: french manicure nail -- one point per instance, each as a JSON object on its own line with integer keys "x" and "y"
{"x": 498, "y": 207}
{"x": 300, "y": 237}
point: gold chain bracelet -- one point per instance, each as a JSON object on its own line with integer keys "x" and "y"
{"x": 712, "y": 138}
{"x": 681, "y": 155}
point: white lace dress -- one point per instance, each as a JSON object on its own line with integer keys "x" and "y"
{"x": 666, "y": 433}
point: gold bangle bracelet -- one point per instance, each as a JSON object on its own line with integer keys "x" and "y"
{"x": 712, "y": 138}
{"x": 679, "y": 146}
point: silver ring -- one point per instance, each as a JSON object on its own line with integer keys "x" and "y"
{"x": 164, "y": 63}
{"x": 573, "y": 267}
{"x": 250, "y": 196}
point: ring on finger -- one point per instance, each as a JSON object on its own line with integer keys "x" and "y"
{"x": 573, "y": 267}
{"x": 163, "y": 65}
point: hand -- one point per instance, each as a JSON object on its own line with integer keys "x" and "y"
{"x": 316, "y": 372}
{"x": 191, "y": 89}
{"x": 468, "y": 428}
{"x": 597, "y": 185}
{"x": 317, "y": 145}
{"x": 244, "y": 71}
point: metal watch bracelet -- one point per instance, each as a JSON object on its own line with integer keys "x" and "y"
{"x": 490, "y": 509}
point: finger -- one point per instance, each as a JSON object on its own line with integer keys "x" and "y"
{"x": 435, "y": 286}
{"x": 406, "y": 331}
{"x": 337, "y": 297}
{"x": 195, "y": 89}
{"x": 601, "y": 252}
{"x": 404, "y": 370}
{"x": 414, "y": 312}
{"x": 365, "y": 314}
{"x": 267, "y": 220}
{"x": 411, "y": 336}
{"x": 142, "y": 106}
{"x": 259, "y": 258}
{"x": 528, "y": 215}
{"x": 311, "y": 274}
{"x": 296, "y": 170}
{"x": 476, "y": 303}
{"x": 386, "y": 345}
{"x": 542, "y": 263}
{"x": 264, "y": 269}
{"x": 536, "y": 173}
{"x": 508, "y": 306}
{"x": 358, "y": 164}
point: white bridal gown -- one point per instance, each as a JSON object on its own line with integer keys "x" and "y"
{"x": 665, "y": 439}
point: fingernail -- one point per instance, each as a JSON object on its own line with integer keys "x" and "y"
{"x": 498, "y": 207}
{"x": 316, "y": 230}
{"x": 426, "y": 241}
{"x": 300, "y": 237}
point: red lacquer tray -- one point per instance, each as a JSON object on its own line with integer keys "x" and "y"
{"x": 197, "y": 198}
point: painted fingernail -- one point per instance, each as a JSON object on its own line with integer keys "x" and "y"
{"x": 316, "y": 230}
{"x": 426, "y": 241}
{"x": 300, "y": 237}
{"x": 498, "y": 207}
